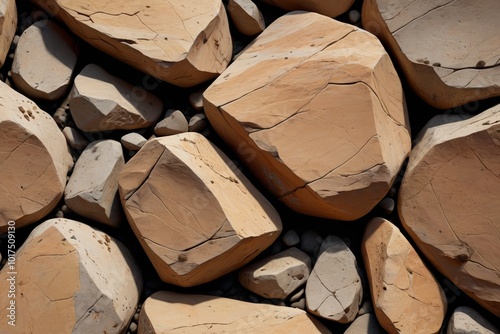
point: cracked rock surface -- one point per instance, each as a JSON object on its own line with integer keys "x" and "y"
{"x": 8, "y": 23}
{"x": 196, "y": 216}
{"x": 184, "y": 43}
{"x": 448, "y": 202}
{"x": 327, "y": 8}
{"x": 72, "y": 278}
{"x": 34, "y": 160}
{"x": 175, "y": 313}
{"x": 322, "y": 124}
{"x": 334, "y": 289}
{"x": 406, "y": 297}
{"x": 448, "y": 49}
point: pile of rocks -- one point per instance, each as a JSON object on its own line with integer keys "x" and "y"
{"x": 266, "y": 181}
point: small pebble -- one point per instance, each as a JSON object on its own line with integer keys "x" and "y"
{"x": 59, "y": 214}
{"x": 196, "y": 100}
{"x": 197, "y": 123}
{"x": 174, "y": 122}
{"x": 299, "y": 304}
{"x": 133, "y": 327}
{"x": 16, "y": 39}
{"x": 354, "y": 16}
{"x": 136, "y": 317}
{"x": 61, "y": 117}
{"x": 392, "y": 192}
{"x": 75, "y": 139}
{"x": 291, "y": 238}
{"x": 387, "y": 204}
{"x": 296, "y": 296}
{"x": 367, "y": 307}
{"x": 310, "y": 241}
{"x": 133, "y": 141}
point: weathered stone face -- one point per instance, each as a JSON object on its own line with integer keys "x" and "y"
{"x": 326, "y": 8}
{"x": 34, "y": 160}
{"x": 448, "y": 202}
{"x": 8, "y": 23}
{"x": 71, "y": 278}
{"x": 447, "y": 50}
{"x": 323, "y": 125}
{"x": 187, "y": 44}
{"x": 195, "y": 214}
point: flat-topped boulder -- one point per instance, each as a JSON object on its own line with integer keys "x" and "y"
{"x": 175, "y": 313}
{"x": 34, "y": 160}
{"x": 448, "y": 202}
{"x": 448, "y": 50}
{"x": 196, "y": 216}
{"x": 315, "y": 108}
{"x": 8, "y": 25}
{"x": 183, "y": 43}
{"x": 327, "y": 8}
{"x": 71, "y": 278}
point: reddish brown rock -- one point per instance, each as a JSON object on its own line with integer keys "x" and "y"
{"x": 184, "y": 43}
{"x": 406, "y": 297}
{"x": 8, "y": 24}
{"x": 34, "y": 160}
{"x": 196, "y": 216}
{"x": 175, "y": 313}
{"x": 70, "y": 278}
{"x": 448, "y": 202}
{"x": 328, "y": 8}
{"x": 274, "y": 107}
{"x": 448, "y": 50}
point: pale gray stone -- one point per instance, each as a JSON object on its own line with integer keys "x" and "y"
{"x": 291, "y": 238}
{"x": 466, "y": 320}
{"x": 133, "y": 141}
{"x": 174, "y": 122}
{"x": 365, "y": 324}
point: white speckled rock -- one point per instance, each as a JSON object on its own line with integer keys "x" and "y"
{"x": 466, "y": 320}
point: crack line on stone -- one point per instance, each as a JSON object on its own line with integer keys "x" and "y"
{"x": 87, "y": 312}
{"x": 408, "y": 5}
{"x": 444, "y": 214}
{"x": 126, "y": 197}
{"x": 482, "y": 163}
{"x": 424, "y": 14}
{"x": 384, "y": 107}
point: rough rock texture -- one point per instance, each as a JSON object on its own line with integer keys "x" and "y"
{"x": 196, "y": 216}
{"x": 34, "y": 160}
{"x": 328, "y": 8}
{"x": 174, "y": 122}
{"x": 45, "y": 43}
{"x": 71, "y": 278}
{"x": 92, "y": 188}
{"x": 448, "y": 50}
{"x": 277, "y": 276}
{"x": 466, "y": 320}
{"x": 175, "y": 313}
{"x": 448, "y": 202}
{"x": 100, "y": 102}
{"x": 334, "y": 289}
{"x": 348, "y": 152}
{"x": 406, "y": 297}
{"x": 8, "y": 23}
{"x": 184, "y": 43}
{"x": 365, "y": 324}
{"x": 246, "y": 17}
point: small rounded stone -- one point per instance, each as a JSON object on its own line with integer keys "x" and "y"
{"x": 354, "y": 16}
{"x": 291, "y": 238}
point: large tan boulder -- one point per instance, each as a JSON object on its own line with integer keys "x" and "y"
{"x": 34, "y": 160}
{"x": 8, "y": 24}
{"x": 328, "y": 8}
{"x": 406, "y": 297}
{"x": 448, "y": 202}
{"x": 175, "y": 313}
{"x": 184, "y": 43}
{"x": 70, "y": 278}
{"x": 316, "y": 110}
{"x": 44, "y": 42}
{"x": 447, "y": 50}
{"x": 196, "y": 216}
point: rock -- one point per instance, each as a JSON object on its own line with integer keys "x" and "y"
{"x": 133, "y": 141}
{"x": 387, "y": 204}
{"x": 342, "y": 164}
{"x": 183, "y": 43}
{"x": 301, "y": 304}
{"x": 453, "y": 179}
{"x": 196, "y": 100}
{"x": 197, "y": 123}
{"x": 246, "y": 17}
{"x": 100, "y": 101}
{"x": 92, "y": 188}
{"x": 74, "y": 139}
{"x": 291, "y": 238}
{"x": 446, "y": 67}
{"x": 354, "y": 16}
{"x": 322, "y": 7}
{"x": 466, "y": 320}
{"x": 277, "y": 276}
{"x": 334, "y": 290}
{"x": 71, "y": 278}
{"x": 172, "y": 312}
{"x": 8, "y": 24}
{"x": 196, "y": 216}
{"x": 310, "y": 242}
{"x": 174, "y": 122}
{"x": 406, "y": 297}
{"x": 365, "y": 324}
{"x": 44, "y": 42}
{"x": 367, "y": 307}
{"x": 61, "y": 117}
{"x": 34, "y": 160}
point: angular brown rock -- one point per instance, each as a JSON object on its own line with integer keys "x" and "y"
{"x": 316, "y": 110}
{"x": 175, "y": 313}
{"x": 448, "y": 50}
{"x": 71, "y": 278}
{"x": 196, "y": 216}
{"x": 327, "y": 8}
{"x": 406, "y": 297}
{"x": 448, "y": 202}
{"x": 34, "y": 160}
{"x": 184, "y": 43}
{"x": 8, "y": 24}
